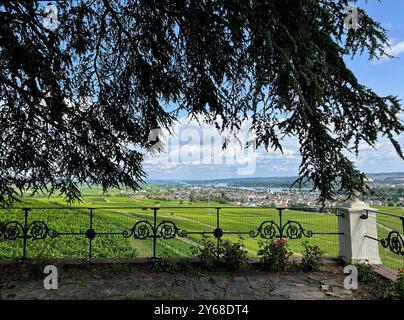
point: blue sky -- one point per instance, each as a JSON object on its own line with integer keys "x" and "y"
{"x": 387, "y": 76}
{"x": 195, "y": 153}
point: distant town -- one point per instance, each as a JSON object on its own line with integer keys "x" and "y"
{"x": 269, "y": 192}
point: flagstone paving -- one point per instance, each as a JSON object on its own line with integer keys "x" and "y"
{"x": 79, "y": 284}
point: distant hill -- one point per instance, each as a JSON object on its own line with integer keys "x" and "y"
{"x": 387, "y": 177}
{"x": 381, "y": 178}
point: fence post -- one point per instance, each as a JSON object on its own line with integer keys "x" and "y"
{"x": 25, "y": 234}
{"x": 280, "y": 222}
{"x": 90, "y": 234}
{"x": 355, "y": 242}
{"x": 154, "y": 232}
{"x": 217, "y": 235}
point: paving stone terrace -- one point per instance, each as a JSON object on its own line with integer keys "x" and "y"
{"x": 137, "y": 283}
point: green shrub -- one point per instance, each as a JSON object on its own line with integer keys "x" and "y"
{"x": 234, "y": 255}
{"x": 183, "y": 264}
{"x": 38, "y": 264}
{"x": 366, "y": 272}
{"x": 274, "y": 255}
{"x": 312, "y": 259}
{"x": 164, "y": 263}
{"x": 208, "y": 253}
{"x": 395, "y": 290}
{"x": 215, "y": 255}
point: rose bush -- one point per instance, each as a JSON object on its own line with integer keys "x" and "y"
{"x": 274, "y": 255}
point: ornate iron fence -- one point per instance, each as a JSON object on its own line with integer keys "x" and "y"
{"x": 158, "y": 225}
{"x": 153, "y": 231}
{"x": 390, "y": 235}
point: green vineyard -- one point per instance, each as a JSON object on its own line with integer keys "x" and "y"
{"x": 113, "y": 220}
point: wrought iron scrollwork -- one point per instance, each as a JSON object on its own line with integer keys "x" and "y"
{"x": 266, "y": 230}
{"x": 36, "y": 230}
{"x": 294, "y": 230}
{"x": 182, "y": 233}
{"x": 166, "y": 229}
{"x": 270, "y": 229}
{"x": 144, "y": 229}
{"x": 141, "y": 230}
{"x": 40, "y": 230}
{"x": 11, "y": 230}
{"x": 395, "y": 242}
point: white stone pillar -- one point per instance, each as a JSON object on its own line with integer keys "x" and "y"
{"x": 355, "y": 244}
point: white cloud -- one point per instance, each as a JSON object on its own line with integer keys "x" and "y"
{"x": 396, "y": 49}
{"x": 198, "y": 154}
